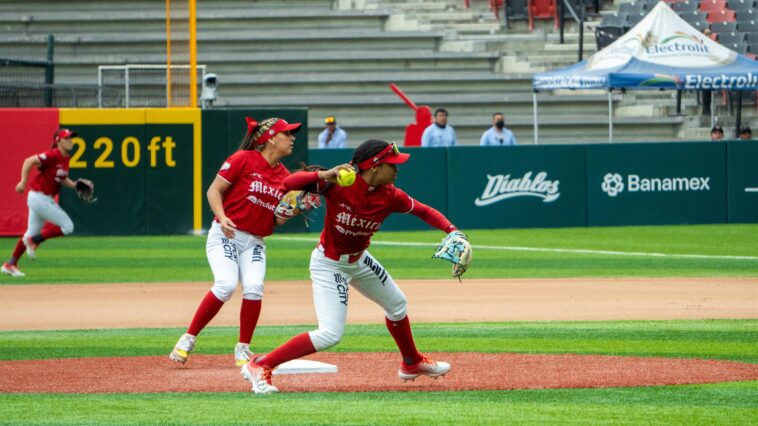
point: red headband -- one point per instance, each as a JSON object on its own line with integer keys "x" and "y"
{"x": 278, "y": 127}
{"x": 390, "y": 154}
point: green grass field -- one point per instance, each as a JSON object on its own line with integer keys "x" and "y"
{"x": 665, "y": 251}
{"x": 721, "y": 251}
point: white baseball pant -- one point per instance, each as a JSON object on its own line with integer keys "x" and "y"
{"x": 330, "y": 281}
{"x": 43, "y": 208}
{"x": 240, "y": 259}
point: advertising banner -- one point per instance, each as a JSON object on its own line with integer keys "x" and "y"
{"x": 742, "y": 169}
{"x": 651, "y": 184}
{"x": 513, "y": 187}
{"x": 143, "y": 165}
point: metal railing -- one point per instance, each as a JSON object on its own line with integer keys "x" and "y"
{"x": 578, "y": 18}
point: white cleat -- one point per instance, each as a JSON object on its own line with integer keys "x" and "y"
{"x": 12, "y": 270}
{"x": 425, "y": 367}
{"x": 259, "y": 377}
{"x": 183, "y": 347}
{"x": 242, "y": 354}
{"x": 31, "y": 247}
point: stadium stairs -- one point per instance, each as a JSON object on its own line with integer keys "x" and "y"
{"x": 338, "y": 58}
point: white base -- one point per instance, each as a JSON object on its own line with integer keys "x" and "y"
{"x": 301, "y": 366}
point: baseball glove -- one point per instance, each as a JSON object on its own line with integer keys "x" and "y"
{"x": 85, "y": 189}
{"x": 295, "y": 202}
{"x": 456, "y": 249}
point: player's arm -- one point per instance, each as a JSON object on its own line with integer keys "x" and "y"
{"x": 215, "y": 196}
{"x": 26, "y": 168}
{"x": 68, "y": 183}
{"x": 432, "y": 216}
{"x": 300, "y": 180}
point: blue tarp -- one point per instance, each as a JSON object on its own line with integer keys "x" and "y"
{"x": 662, "y": 51}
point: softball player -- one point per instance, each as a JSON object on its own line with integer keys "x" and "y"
{"x": 353, "y": 214}
{"x": 243, "y": 196}
{"x": 45, "y": 186}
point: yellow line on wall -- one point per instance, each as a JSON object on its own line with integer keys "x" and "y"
{"x": 70, "y": 116}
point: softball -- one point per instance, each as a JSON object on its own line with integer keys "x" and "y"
{"x": 346, "y": 177}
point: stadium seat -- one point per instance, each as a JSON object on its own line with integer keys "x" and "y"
{"x": 740, "y": 5}
{"x": 724, "y": 27}
{"x": 516, "y": 9}
{"x": 746, "y": 15}
{"x": 752, "y": 41}
{"x": 721, "y": 16}
{"x": 615, "y": 19}
{"x": 696, "y": 19}
{"x": 542, "y": 9}
{"x": 747, "y": 26}
{"x": 634, "y": 19}
{"x": 632, "y": 7}
{"x": 729, "y": 39}
{"x": 712, "y": 5}
{"x": 686, "y": 6}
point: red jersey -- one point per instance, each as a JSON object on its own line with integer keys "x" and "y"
{"x": 354, "y": 213}
{"x": 52, "y": 172}
{"x": 255, "y": 190}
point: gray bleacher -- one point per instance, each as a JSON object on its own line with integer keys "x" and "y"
{"x": 293, "y": 53}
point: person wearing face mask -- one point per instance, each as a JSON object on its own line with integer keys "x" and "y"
{"x": 498, "y": 135}
{"x": 439, "y": 133}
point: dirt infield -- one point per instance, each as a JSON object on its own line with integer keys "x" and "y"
{"x": 365, "y": 372}
{"x": 44, "y": 307}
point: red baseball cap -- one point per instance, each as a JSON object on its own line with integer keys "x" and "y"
{"x": 63, "y": 134}
{"x": 391, "y": 155}
{"x": 280, "y": 126}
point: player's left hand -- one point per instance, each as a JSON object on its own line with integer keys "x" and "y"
{"x": 456, "y": 249}
{"x": 295, "y": 202}
{"x": 85, "y": 189}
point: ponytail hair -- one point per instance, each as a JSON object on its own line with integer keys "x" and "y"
{"x": 254, "y": 131}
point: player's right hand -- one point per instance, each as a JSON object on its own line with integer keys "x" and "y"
{"x": 21, "y": 187}
{"x": 331, "y": 174}
{"x": 227, "y": 227}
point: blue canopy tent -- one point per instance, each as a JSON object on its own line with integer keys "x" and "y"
{"x": 661, "y": 52}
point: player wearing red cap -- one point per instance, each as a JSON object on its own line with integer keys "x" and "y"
{"x": 353, "y": 214}
{"x": 44, "y": 188}
{"x": 243, "y": 196}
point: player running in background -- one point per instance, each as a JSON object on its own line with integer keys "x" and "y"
{"x": 45, "y": 186}
{"x": 243, "y": 196}
{"x": 353, "y": 214}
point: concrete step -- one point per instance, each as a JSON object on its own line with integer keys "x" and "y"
{"x": 260, "y": 20}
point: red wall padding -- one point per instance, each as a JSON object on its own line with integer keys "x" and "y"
{"x": 23, "y": 132}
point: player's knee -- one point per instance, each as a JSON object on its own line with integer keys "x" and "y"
{"x": 252, "y": 291}
{"x": 67, "y": 228}
{"x": 325, "y": 338}
{"x": 397, "y": 311}
{"x": 223, "y": 290}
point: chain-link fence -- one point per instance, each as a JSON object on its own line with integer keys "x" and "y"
{"x": 146, "y": 85}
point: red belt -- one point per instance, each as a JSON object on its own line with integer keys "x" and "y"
{"x": 351, "y": 258}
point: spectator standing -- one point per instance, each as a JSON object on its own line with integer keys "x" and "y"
{"x": 498, "y": 135}
{"x": 717, "y": 133}
{"x": 439, "y": 133}
{"x": 746, "y": 133}
{"x": 333, "y": 136}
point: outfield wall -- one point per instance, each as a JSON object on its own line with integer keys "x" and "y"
{"x": 152, "y": 168}
{"x": 579, "y": 185}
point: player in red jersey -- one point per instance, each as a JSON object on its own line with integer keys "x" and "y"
{"x": 243, "y": 196}
{"x": 353, "y": 214}
{"x": 43, "y": 189}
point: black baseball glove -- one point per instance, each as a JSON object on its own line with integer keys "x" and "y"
{"x": 85, "y": 189}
